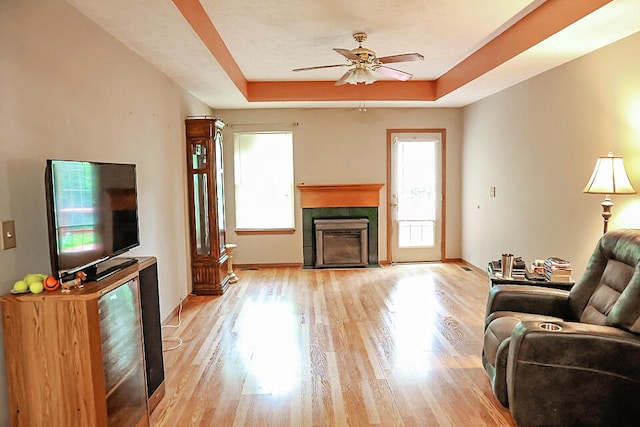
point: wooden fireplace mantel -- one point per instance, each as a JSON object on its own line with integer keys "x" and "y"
{"x": 340, "y": 195}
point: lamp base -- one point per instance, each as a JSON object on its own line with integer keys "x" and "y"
{"x": 606, "y": 212}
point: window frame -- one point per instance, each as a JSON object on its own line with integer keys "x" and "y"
{"x": 263, "y": 230}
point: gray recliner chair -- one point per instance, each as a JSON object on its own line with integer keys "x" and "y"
{"x": 571, "y": 358}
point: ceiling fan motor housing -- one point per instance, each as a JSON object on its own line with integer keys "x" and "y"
{"x": 364, "y": 54}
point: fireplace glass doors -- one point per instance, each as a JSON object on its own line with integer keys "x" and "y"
{"x": 341, "y": 242}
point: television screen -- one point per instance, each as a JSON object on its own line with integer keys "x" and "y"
{"x": 92, "y": 211}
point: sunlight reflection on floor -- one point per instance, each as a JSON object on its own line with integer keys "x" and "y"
{"x": 412, "y": 305}
{"x": 269, "y": 345}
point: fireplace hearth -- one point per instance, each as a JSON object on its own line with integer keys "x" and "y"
{"x": 341, "y": 242}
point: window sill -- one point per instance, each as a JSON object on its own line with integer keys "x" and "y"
{"x": 260, "y": 231}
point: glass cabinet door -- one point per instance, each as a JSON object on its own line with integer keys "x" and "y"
{"x": 222, "y": 240}
{"x": 200, "y": 199}
{"x": 122, "y": 354}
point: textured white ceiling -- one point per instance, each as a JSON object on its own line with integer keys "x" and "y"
{"x": 269, "y": 38}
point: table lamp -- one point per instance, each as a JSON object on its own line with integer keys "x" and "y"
{"x": 609, "y": 177}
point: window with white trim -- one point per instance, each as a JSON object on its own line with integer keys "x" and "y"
{"x": 263, "y": 167}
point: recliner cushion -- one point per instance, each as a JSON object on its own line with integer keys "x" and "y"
{"x": 615, "y": 278}
{"x": 498, "y": 330}
{"x": 613, "y": 269}
{"x": 496, "y": 350}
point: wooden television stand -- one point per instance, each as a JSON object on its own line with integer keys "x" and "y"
{"x": 78, "y": 358}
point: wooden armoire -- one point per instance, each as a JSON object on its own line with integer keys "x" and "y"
{"x": 205, "y": 176}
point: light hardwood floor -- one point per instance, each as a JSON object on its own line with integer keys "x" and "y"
{"x": 394, "y": 346}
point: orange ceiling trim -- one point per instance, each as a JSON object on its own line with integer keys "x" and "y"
{"x": 417, "y": 90}
{"x": 198, "y": 19}
{"x": 544, "y": 21}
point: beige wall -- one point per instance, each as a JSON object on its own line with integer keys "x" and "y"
{"x": 70, "y": 91}
{"x": 340, "y": 146}
{"x": 537, "y": 143}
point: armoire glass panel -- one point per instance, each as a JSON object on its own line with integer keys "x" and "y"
{"x": 199, "y": 156}
{"x": 201, "y": 211}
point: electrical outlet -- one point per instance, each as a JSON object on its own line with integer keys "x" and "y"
{"x": 8, "y": 234}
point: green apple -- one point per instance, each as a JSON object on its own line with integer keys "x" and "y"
{"x": 36, "y": 287}
{"x": 20, "y": 286}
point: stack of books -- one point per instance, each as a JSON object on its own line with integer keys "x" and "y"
{"x": 557, "y": 270}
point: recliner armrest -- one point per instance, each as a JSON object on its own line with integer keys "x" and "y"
{"x": 576, "y": 344}
{"x": 573, "y": 376}
{"x": 528, "y": 299}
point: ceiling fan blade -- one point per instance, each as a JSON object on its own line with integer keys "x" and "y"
{"x": 343, "y": 80}
{"x": 347, "y": 54}
{"x": 321, "y": 66}
{"x": 392, "y": 72}
{"x": 405, "y": 57}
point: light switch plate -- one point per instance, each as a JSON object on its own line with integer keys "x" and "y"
{"x": 8, "y": 234}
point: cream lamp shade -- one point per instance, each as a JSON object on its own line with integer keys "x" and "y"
{"x": 609, "y": 177}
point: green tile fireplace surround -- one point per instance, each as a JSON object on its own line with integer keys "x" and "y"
{"x": 308, "y": 232}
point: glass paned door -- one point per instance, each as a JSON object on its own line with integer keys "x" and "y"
{"x": 416, "y": 197}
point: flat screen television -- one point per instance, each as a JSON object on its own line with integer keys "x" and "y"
{"x": 92, "y": 212}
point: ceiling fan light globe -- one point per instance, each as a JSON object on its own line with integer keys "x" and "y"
{"x": 369, "y": 77}
{"x": 361, "y": 75}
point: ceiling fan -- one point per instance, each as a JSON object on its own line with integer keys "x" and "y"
{"x": 364, "y": 61}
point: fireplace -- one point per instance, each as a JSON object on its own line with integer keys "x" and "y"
{"x": 341, "y": 242}
{"x": 341, "y": 202}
